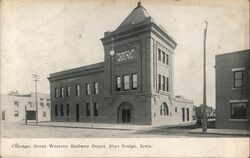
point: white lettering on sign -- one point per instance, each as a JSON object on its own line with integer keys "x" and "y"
{"x": 125, "y": 55}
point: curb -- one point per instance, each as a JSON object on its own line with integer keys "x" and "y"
{"x": 236, "y": 134}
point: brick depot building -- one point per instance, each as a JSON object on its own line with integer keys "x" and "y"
{"x": 133, "y": 85}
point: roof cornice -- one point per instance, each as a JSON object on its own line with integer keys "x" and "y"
{"x": 133, "y": 30}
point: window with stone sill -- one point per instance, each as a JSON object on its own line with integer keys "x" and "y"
{"x": 238, "y": 79}
{"x": 56, "y": 92}
{"x": 88, "y": 89}
{"x": 61, "y": 92}
{"x": 44, "y": 113}
{"x": 16, "y": 103}
{"x": 68, "y": 91}
{"x": 134, "y": 81}
{"x": 67, "y": 110}
{"x": 118, "y": 83}
{"x": 238, "y": 110}
{"x": 77, "y": 90}
{"x": 56, "y": 110}
{"x": 87, "y": 109}
{"x": 16, "y": 113}
{"x": 41, "y": 104}
{"x": 62, "y": 110}
{"x": 96, "y": 88}
{"x": 96, "y": 107}
{"x": 126, "y": 85}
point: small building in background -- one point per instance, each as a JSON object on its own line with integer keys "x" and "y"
{"x": 233, "y": 90}
{"x": 13, "y": 106}
{"x": 210, "y": 112}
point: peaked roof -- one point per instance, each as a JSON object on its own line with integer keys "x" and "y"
{"x": 138, "y": 15}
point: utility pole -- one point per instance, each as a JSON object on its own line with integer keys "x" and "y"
{"x": 36, "y": 79}
{"x": 204, "y": 114}
{"x": 26, "y": 114}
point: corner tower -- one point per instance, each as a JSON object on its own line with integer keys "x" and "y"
{"x": 138, "y": 65}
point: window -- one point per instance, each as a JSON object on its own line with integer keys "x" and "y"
{"x": 187, "y": 114}
{"x": 167, "y": 58}
{"x": 61, "y": 92}
{"x": 41, "y": 104}
{"x": 16, "y": 103}
{"x": 161, "y": 110}
{"x": 87, "y": 109}
{"x": 159, "y": 82}
{"x": 95, "y": 109}
{"x": 16, "y": 114}
{"x": 163, "y": 57}
{"x": 176, "y": 109}
{"x": 167, "y": 84}
{"x": 56, "y": 112}
{"x": 95, "y": 87}
{"x": 126, "y": 82}
{"x": 159, "y": 54}
{"x": 41, "y": 99}
{"x": 238, "y": 111}
{"x": 67, "y": 112}
{"x": 238, "y": 79}
{"x": 62, "y": 112}
{"x": 118, "y": 83}
{"x": 87, "y": 89}
{"x": 44, "y": 113}
{"x": 48, "y": 99}
{"x": 77, "y": 90}
{"x": 68, "y": 91}
{"x": 134, "y": 81}
{"x": 164, "y": 83}
{"x": 30, "y": 104}
{"x": 165, "y": 109}
{"x": 48, "y": 104}
{"x": 56, "y": 92}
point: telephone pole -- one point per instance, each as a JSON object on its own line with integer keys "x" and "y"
{"x": 36, "y": 79}
{"x": 204, "y": 114}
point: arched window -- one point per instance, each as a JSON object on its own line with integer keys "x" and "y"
{"x": 164, "y": 109}
{"x": 161, "y": 110}
{"x": 125, "y": 113}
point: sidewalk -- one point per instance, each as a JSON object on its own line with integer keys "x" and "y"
{"x": 222, "y": 132}
{"x": 103, "y": 126}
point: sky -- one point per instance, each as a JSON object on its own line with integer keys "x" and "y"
{"x": 42, "y": 37}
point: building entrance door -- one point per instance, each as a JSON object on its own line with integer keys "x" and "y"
{"x": 31, "y": 115}
{"x": 3, "y": 115}
{"x": 183, "y": 114}
{"x": 125, "y": 113}
{"x": 77, "y": 112}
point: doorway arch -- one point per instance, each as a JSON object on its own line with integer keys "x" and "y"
{"x": 125, "y": 113}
